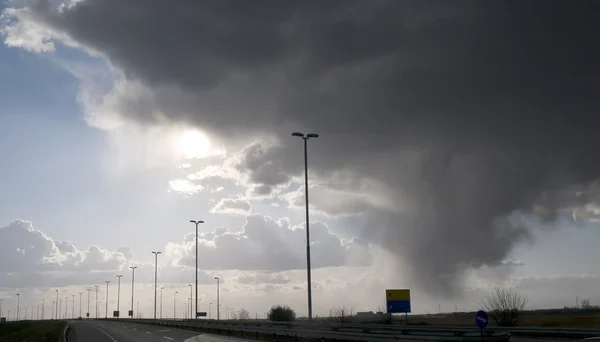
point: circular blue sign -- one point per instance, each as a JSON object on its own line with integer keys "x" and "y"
{"x": 481, "y": 319}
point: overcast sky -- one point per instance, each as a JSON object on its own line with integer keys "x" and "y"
{"x": 458, "y": 150}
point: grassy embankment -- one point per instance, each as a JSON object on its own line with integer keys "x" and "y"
{"x": 31, "y": 331}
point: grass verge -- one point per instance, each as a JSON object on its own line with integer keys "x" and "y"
{"x": 41, "y": 331}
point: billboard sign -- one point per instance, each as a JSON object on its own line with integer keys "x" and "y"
{"x": 397, "y": 301}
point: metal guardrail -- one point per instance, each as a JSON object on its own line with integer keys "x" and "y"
{"x": 404, "y": 331}
{"x": 347, "y": 333}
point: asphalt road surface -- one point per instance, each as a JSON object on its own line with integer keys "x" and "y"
{"x": 102, "y": 331}
{"x": 99, "y": 331}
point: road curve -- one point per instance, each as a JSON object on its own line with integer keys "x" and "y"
{"x": 102, "y": 331}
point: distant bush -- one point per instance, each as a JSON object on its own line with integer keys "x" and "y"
{"x": 279, "y": 313}
{"x": 243, "y": 315}
{"x": 505, "y": 306}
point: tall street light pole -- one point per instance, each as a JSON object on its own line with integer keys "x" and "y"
{"x": 73, "y": 307}
{"x": 155, "y": 278}
{"x": 97, "y": 286}
{"x": 119, "y": 296}
{"x": 191, "y": 299}
{"x": 196, "y": 223}
{"x": 106, "y": 310}
{"x": 175, "y": 304}
{"x": 19, "y": 305}
{"x": 67, "y": 307}
{"x": 88, "y": 311}
{"x": 43, "y": 309}
{"x": 305, "y": 137}
{"x": 56, "y": 304}
{"x": 132, "y": 286}
{"x": 218, "y": 303}
{"x": 80, "y": 293}
{"x": 161, "y": 293}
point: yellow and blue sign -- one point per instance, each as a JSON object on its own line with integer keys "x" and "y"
{"x": 397, "y": 301}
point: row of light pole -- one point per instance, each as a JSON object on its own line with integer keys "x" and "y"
{"x": 55, "y": 313}
{"x": 57, "y": 305}
{"x": 305, "y": 138}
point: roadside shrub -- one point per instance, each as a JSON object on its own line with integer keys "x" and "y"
{"x": 281, "y": 313}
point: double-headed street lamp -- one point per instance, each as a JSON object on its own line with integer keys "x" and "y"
{"x": 88, "y": 310}
{"x": 155, "y": 278}
{"x": 305, "y": 137}
{"x": 161, "y": 301}
{"x": 119, "y": 296}
{"x": 106, "y": 310}
{"x": 191, "y": 297}
{"x": 175, "y": 304}
{"x": 132, "y": 286}
{"x": 57, "y": 305}
{"x": 19, "y": 304}
{"x": 96, "y": 286}
{"x": 67, "y": 307}
{"x": 218, "y": 303}
{"x": 196, "y": 257}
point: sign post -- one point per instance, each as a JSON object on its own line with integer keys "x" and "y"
{"x": 481, "y": 319}
{"x": 398, "y": 301}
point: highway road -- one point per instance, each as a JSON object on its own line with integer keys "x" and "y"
{"x": 111, "y": 331}
{"x": 99, "y": 331}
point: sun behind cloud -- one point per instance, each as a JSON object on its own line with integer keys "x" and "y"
{"x": 194, "y": 144}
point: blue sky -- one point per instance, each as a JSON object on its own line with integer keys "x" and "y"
{"x": 95, "y": 186}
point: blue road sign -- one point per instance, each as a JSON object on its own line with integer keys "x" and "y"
{"x": 481, "y": 319}
{"x": 398, "y": 306}
{"x": 200, "y": 314}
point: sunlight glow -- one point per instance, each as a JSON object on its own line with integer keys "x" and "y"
{"x": 194, "y": 144}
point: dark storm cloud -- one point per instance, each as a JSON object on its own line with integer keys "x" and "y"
{"x": 471, "y": 110}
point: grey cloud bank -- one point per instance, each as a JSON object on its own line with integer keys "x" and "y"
{"x": 462, "y": 112}
{"x": 29, "y": 258}
{"x": 270, "y": 245}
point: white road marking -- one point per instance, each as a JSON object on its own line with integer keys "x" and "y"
{"x": 163, "y": 330}
{"x": 149, "y": 333}
{"x": 134, "y": 328}
{"x": 168, "y": 338}
{"x": 197, "y": 338}
{"x": 107, "y": 334}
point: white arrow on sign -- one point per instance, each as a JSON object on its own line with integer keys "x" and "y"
{"x": 482, "y": 319}
{"x": 390, "y": 308}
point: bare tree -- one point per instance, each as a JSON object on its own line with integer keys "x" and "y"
{"x": 585, "y": 304}
{"x": 504, "y": 306}
{"x": 341, "y": 315}
{"x": 243, "y": 314}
